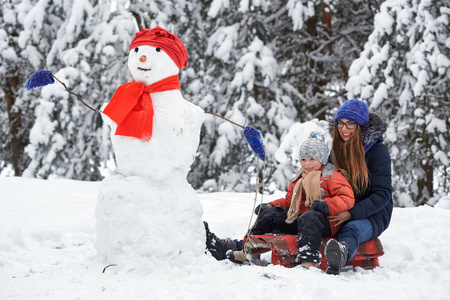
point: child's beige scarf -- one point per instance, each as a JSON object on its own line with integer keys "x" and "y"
{"x": 311, "y": 183}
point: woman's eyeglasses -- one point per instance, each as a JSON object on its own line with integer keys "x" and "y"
{"x": 350, "y": 125}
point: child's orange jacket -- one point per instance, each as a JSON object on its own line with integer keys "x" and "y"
{"x": 336, "y": 191}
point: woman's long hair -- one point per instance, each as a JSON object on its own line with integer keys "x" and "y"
{"x": 350, "y": 157}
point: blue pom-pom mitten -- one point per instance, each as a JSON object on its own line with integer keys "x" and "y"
{"x": 254, "y": 139}
{"x": 40, "y": 78}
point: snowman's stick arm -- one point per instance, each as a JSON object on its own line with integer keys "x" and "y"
{"x": 64, "y": 85}
{"x": 252, "y": 135}
{"x": 211, "y": 113}
{"x": 76, "y": 95}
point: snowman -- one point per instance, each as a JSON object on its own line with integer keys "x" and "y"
{"x": 146, "y": 211}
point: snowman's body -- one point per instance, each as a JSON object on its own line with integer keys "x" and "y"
{"x": 172, "y": 146}
{"x": 147, "y": 211}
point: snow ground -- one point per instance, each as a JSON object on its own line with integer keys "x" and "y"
{"x": 47, "y": 232}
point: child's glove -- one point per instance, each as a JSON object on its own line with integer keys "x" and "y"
{"x": 321, "y": 206}
{"x": 263, "y": 207}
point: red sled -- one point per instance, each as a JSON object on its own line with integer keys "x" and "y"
{"x": 284, "y": 251}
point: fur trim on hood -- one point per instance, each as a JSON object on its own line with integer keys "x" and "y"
{"x": 372, "y": 130}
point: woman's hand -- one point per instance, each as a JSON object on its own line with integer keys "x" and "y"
{"x": 341, "y": 218}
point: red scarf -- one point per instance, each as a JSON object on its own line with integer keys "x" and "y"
{"x": 131, "y": 107}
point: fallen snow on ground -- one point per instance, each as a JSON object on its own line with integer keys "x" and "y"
{"x": 47, "y": 232}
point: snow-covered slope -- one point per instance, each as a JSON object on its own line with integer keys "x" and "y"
{"x": 47, "y": 237}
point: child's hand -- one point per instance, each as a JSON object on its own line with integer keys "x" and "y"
{"x": 321, "y": 206}
{"x": 262, "y": 206}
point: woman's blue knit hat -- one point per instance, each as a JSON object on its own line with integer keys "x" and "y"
{"x": 314, "y": 147}
{"x": 353, "y": 110}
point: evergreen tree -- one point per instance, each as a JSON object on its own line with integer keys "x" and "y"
{"x": 404, "y": 73}
{"x": 17, "y": 60}
{"x": 315, "y": 54}
{"x": 276, "y": 63}
{"x": 239, "y": 84}
{"x": 318, "y": 52}
{"x": 66, "y": 139}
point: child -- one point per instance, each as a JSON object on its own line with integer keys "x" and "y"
{"x": 317, "y": 191}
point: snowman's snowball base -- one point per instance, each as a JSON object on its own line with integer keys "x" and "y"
{"x": 137, "y": 221}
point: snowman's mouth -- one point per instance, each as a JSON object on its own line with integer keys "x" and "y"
{"x": 143, "y": 69}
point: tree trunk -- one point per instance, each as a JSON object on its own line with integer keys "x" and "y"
{"x": 15, "y": 123}
{"x": 425, "y": 184}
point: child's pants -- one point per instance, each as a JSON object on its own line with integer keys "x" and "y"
{"x": 310, "y": 227}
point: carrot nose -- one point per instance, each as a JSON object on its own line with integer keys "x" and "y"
{"x": 143, "y": 58}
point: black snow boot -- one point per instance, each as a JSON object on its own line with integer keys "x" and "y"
{"x": 336, "y": 254}
{"x": 218, "y": 247}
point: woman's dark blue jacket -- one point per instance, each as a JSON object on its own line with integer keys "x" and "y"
{"x": 376, "y": 202}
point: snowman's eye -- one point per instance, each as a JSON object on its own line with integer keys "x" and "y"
{"x": 136, "y": 49}
{"x": 158, "y": 49}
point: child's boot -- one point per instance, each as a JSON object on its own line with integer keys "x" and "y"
{"x": 240, "y": 257}
{"x": 308, "y": 264}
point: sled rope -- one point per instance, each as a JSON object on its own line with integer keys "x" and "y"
{"x": 250, "y": 227}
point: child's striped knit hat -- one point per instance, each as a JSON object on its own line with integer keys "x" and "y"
{"x": 314, "y": 147}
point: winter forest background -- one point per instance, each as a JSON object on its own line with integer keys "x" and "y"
{"x": 272, "y": 64}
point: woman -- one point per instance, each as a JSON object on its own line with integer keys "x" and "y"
{"x": 358, "y": 148}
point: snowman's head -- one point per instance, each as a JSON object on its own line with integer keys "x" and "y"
{"x": 150, "y": 64}
{"x": 156, "y": 54}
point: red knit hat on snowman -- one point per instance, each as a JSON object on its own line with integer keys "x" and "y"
{"x": 159, "y": 37}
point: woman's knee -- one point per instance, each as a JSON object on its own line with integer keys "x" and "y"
{"x": 356, "y": 229}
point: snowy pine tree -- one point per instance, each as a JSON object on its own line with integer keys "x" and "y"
{"x": 240, "y": 84}
{"x": 404, "y": 74}
{"x": 17, "y": 61}
{"x": 66, "y": 139}
{"x": 315, "y": 52}
{"x": 308, "y": 48}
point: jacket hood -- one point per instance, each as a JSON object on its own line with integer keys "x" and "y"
{"x": 374, "y": 129}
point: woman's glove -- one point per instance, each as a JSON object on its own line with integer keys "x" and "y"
{"x": 321, "y": 206}
{"x": 263, "y": 206}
